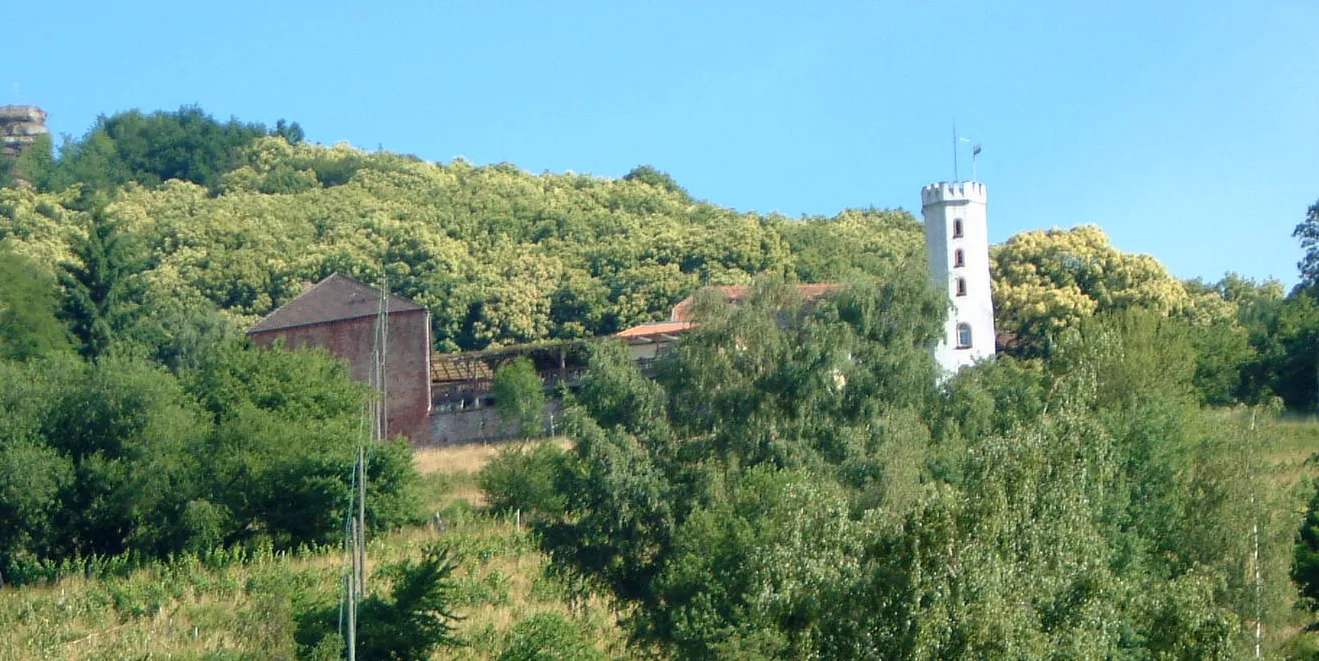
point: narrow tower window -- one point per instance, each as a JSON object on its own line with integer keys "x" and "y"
{"x": 959, "y": 258}
{"x": 963, "y": 336}
{"x": 961, "y": 286}
{"x": 957, "y": 228}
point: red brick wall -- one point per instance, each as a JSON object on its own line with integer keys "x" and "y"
{"x": 407, "y": 365}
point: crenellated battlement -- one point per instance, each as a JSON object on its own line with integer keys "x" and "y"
{"x": 957, "y": 252}
{"x": 953, "y": 191}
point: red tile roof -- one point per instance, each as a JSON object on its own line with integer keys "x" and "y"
{"x": 735, "y": 293}
{"x": 335, "y": 298}
{"x": 654, "y": 328}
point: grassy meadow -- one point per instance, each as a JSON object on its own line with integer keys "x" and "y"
{"x": 221, "y": 607}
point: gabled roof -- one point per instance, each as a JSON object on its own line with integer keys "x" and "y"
{"x": 654, "y": 328}
{"x": 444, "y": 370}
{"x": 735, "y": 293}
{"x": 680, "y": 318}
{"x": 335, "y": 298}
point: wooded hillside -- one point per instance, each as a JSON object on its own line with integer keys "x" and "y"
{"x": 793, "y": 481}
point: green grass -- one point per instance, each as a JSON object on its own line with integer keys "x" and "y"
{"x": 222, "y": 609}
{"x": 1293, "y": 438}
{"x": 192, "y": 608}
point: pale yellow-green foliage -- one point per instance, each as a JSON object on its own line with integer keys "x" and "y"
{"x": 1208, "y": 308}
{"x": 39, "y": 225}
{"x": 1047, "y": 280}
{"x": 486, "y": 248}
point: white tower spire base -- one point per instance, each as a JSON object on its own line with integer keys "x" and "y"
{"x": 957, "y": 240}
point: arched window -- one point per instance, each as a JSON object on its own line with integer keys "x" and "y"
{"x": 957, "y": 228}
{"x": 961, "y": 286}
{"x": 959, "y": 258}
{"x": 963, "y": 336}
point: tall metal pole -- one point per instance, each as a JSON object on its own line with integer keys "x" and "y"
{"x": 352, "y": 599}
{"x": 955, "y": 177}
{"x": 1259, "y": 584}
{"x": 360, "y": 523}
{"x": 376, "y": 410}
{"x": 384, "y": 354}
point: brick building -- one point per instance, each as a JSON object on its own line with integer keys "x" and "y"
{"x": 339, "y": 314}
{"x": 648, "y": 341}
{"x": 448, "y": 398}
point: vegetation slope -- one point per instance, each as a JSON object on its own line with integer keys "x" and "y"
{"x": 794, "y": 482}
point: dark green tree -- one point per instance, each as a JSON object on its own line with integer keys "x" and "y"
{"x": 103, "y": 286}
{"x": 6, "y": 170}
{"x": 93, "y": 162}
{"x": 522, "y": 479}
{"x": 520, "y": 396}
{"x": 290, "y": 131}
{"x": 119, "y": 455}
{"x": 147, "y": 148}
{"x": 774, "y": 384}
{"x": 129, "y": 434}
{"x": 652, "y": 176}
{"x": 1293, "y": 360}
{"x": 1308, "y": 232}
{"x": 416, "y": 618}
{"x": 281, "y": 451}
{"x": 409, "y": 623}
{"x": 29, "y": 301}
{"x": 186, "y": 144}
{"x": 35, "y": 164}
{"x": 1305, "y": 566}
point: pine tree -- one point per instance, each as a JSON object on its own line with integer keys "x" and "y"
{"x": 103, "y": 292}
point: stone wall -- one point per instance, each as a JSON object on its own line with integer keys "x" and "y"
{"x": 19, "y": 127}
{"x": 483, "y": 424}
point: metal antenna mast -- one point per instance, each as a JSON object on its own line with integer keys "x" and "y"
{"x": 375, "y": 416}
{"x": 975, "y": 155}
{"x": 955, "y": 178}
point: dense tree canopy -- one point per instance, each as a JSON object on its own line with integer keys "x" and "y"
{"x": 792, "y": 485}
{"x": 1047, "y": 280}
{"x": 103, "y": 287}
{"x": 796, "y": 480}
{"x": 119, "y": 455}
{"x": 1308, "y": 232}
{"x": 500, "y": 256}
{"x": 147, "y": 149}
{"x": 29, "y": 302}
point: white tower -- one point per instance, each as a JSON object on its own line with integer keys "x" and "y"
{"x": 957, "y": 238}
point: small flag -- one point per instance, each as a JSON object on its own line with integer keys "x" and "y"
{"x": 975, "y": 150}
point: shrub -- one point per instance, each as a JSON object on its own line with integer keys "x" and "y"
{"x": 549, "y": 637}
{"x": 522, "y": 478}
{"x": 520, "y": 397}
{"x": 408, "y": 624}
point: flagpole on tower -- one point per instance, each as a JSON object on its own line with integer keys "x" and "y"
{"x": 955, "y": 151}
{"x": 975, "y": 158}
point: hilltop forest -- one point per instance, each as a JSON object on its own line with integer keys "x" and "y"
{"x": 793, "y": 482}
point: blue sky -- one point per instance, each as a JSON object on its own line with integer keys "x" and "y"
{"x": 1188, "y": 130}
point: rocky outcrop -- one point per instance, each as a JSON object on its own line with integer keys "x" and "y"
{"x": 19, "y": 127}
